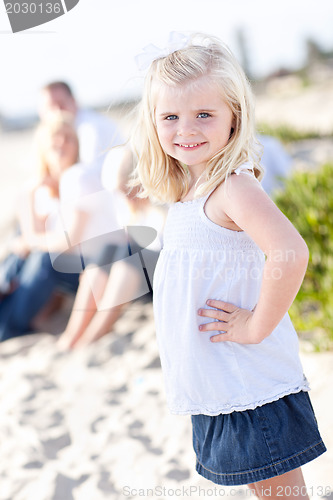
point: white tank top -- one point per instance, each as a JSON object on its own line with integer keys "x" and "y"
{"x": 201, "y": 260}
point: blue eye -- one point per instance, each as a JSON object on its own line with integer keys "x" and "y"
{"x": 171, "y": 117}
{"x": 204, "y": 115}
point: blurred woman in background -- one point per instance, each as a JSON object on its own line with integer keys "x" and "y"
{"x": 54, "y": 213}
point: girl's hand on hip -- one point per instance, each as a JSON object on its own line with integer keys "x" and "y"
{"x": 233, "y": 323}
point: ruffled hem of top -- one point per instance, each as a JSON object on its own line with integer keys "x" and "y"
{"x": 230, "y": 409}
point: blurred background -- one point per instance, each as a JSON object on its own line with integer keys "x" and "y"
{"x": 286, "y": 49}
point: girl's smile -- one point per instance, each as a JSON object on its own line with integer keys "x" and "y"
{"x": 193, "y": 122}
{"x": 191, "y": 146}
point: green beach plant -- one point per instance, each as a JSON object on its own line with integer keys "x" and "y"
{"x": 307, "y": 200}
{"x": 286, "y": 133}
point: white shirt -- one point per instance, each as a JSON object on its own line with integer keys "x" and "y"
{"x": 201, "y": 260}
{"x": 79, "y": 190}
{"x": 97, "y": 134}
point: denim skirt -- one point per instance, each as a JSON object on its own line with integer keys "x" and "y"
{"x": 252, "y": 445}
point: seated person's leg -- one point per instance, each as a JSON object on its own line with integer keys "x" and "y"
{"x": 122, "y": 287}
{"x": 37, "y": 282}
{"x": 91, "y": 288}
{"x": 129, "y": 279}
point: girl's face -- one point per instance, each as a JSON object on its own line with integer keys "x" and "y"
{"x": 61, "y": 150}
{"x": 193, "y": 122}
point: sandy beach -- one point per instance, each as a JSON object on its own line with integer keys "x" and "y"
{"x": 93, "y": 424}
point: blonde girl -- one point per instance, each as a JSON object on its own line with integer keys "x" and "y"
{"x": 230, "y": 267}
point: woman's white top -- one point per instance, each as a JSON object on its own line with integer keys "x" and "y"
{"x": 201, "y": 260}
{"x": 44, "y": 202}
{"x": 80, "y": 192}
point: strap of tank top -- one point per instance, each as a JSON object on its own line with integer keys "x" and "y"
{"x": 205, "y": 198}
{"x": 246, "y": 168}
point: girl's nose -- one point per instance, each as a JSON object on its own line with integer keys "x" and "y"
{"x": 186, "y": 128}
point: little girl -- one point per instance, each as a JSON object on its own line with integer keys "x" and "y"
{"x": 230, "y": 267}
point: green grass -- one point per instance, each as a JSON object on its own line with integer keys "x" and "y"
{"x": 307, "y": 200}
{"x": 286, "y": 133}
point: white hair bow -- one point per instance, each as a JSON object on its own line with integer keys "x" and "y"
{"x": 150, "y": 53}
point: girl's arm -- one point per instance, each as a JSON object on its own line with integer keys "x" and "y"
{"x": 244, "y": 201}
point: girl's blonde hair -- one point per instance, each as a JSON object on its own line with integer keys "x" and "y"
{"x": 164, "y": 178}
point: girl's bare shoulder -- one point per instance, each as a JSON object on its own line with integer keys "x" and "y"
{"x": 218, "y": 207}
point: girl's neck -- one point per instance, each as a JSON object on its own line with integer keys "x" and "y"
{"x": 195, "y": 181}
{"x": 190, "y": 193}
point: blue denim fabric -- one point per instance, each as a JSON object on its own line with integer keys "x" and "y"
{"x": 253, "y": 445}
{"x": 37, "y": 280}
{"x": 10, "y": 268}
